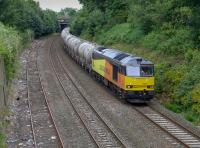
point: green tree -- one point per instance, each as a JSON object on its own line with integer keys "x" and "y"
{"x": 67, "y": 12}
{"x": 26, "y": 14}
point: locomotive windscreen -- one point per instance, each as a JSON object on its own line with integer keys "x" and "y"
{"x": 142, "y": 71}
{"x": 147, "y": 71}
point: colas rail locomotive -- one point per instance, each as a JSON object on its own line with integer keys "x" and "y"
{"x": 129, "y": 76}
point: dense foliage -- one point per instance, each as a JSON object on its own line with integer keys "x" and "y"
{"x": 26, "y": 14}
{"x": 67, "y": 12}
{"x": 11, "y": 43}
{"x": 25, "y": 19}
{"x": 169, "y": 28}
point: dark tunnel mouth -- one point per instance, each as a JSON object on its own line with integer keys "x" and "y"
{"x": 63, "y": 26}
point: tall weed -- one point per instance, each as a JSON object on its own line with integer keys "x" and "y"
{"x": 11, "y": 42}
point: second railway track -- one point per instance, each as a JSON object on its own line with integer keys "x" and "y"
{"x": 44, "y": 130}
{"x": 100, "y": 132}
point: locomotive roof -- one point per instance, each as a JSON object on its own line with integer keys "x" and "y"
{"x": 114, "y": 55}
{"x": 122, "y": 58}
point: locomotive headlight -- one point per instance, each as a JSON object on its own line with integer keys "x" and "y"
{"x": 150, "y": 86}
{"x": 129, "y": 86}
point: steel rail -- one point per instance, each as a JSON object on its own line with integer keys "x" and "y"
{"x": 47, "y": 105}
{"x": 138, "y": 109}
{"x": 178, "y": 124}
{"x": 61, "y": 84}
{"x": 29, "y": 103}
{"x": 163, "y": 129}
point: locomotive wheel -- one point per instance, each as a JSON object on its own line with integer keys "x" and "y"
{"x": 122, "y": 94}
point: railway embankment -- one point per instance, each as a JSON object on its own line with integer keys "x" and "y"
{"x": 12, "y": 43}
{"x": 3, "y": 102}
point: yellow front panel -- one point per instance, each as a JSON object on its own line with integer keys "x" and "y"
{"x": 99, "y": 66}
{"x": 139, "y": 83}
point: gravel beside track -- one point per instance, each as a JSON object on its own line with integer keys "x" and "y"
{"x": 43, "y": 127}
{"x": 19, "y": 133}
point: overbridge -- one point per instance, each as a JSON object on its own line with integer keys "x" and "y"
{"x": 63, "y": 22}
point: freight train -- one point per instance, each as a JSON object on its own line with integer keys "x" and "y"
{"x": 129, "y": 76}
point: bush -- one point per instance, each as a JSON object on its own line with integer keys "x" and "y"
{"x": 173, "y": 76}
{"x": 115, "y": 34}
{"x": 27, "y": 36}
{"x": 160, "y": 69}
{"x": 196, "y": 98}
{"x": 87, "y": 24}
{"x": 2, "y": 140}
{"x": 26, "y": 14}
{"x": 173, "y": 107}
{"x": 119, "y": 33}
{"x": 170, "y": 40}
{"x": 192, "y": 117}
{"x": 4, "y": 112}
{"x": 11, "y": 43}
{"x": 183, "y": 92}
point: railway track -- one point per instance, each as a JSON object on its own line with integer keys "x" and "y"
{"x": 44, "y": 130}
{"x": 99, "y": 131}
{"x": 181, "y": 134}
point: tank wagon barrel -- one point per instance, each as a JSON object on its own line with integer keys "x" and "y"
{"x": 129, "y": 76}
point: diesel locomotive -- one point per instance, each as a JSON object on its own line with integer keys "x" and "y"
{"x": 129, "y": 76}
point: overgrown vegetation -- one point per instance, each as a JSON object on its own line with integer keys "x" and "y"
{"x": 166, "y": 32}
{"x": 66, "y": 12}
{"x": 25, "y": 20}
{"x": 11, "y": 43}
{"x": 3, "y": 124}
{"x": 26, "y": 14}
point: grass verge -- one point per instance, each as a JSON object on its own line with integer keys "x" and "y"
{"x": 4, "y": 112}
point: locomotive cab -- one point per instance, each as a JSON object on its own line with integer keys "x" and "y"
{"x": 139, "y": 80}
